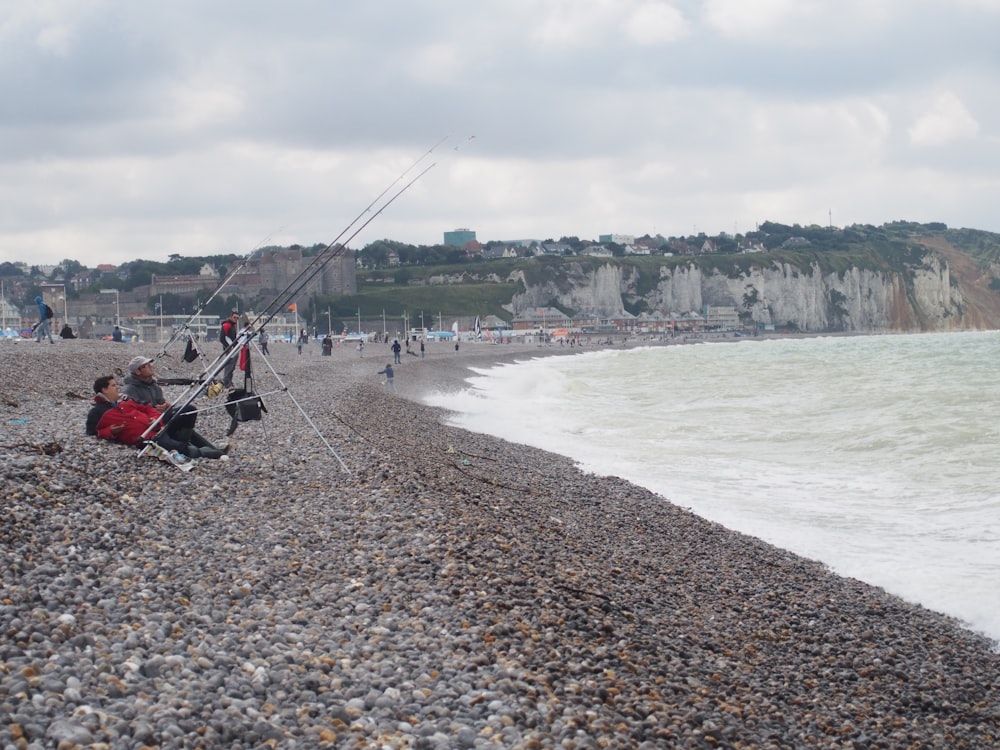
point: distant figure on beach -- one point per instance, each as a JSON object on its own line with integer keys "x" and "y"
{"x": 456, "y": 347}
{"x": 116, "y": 334}
{"x": 395, "y": 351}
{"x": 389, "y": 374}
{"x": 67, "y": 332}
{"x": 421, "y": 348}
{"x": 361, "y": 348}
{"x": 303, "y": 339}
{"x": 42, "y": 328}
{"x": 262, "y": 338}
{"x": 327, "y": 345}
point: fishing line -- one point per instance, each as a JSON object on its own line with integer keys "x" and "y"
{"x": 186, "y": 325}
{"x": 334, "y": 249}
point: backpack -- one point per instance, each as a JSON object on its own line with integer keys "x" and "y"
{"x": 48, "y": 313}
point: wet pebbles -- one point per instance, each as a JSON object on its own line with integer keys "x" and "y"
{"x": 451, "y": 591}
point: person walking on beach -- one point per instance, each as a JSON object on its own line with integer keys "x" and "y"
{"x": 421, "y": 348}
{"x": 395, "y": 351}
{"x": 262, "y": 338}
{"x": 389, "y": 375}
{"x": 42, "y": 327}
{"x": 361, "y": 348}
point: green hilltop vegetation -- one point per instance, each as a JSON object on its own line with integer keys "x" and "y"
{"x": 395, "y": 278}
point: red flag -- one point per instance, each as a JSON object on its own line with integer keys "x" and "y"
{"x": 291, "y": 306}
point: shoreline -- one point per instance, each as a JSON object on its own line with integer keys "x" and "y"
{"x": 453, "y": 590}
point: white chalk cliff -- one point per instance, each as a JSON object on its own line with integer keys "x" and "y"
{"x": 921, "y": 297}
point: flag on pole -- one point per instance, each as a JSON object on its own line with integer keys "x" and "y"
{"x": 291, "y": 306}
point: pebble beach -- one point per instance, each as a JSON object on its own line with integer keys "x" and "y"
{"x": 399, "y": 583}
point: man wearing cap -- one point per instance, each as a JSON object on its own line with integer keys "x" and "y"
{"x": 141, "y": 387}
{"x": 140, "y": 384}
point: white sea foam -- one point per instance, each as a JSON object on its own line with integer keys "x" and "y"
{"x": 876, "y": 455}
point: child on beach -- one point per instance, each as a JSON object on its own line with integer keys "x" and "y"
{"x": 389, "y": 374}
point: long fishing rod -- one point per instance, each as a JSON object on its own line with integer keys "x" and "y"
{"x": 337, "y": 247}
{"x": 185, "y": 326}
{"x": 247, "y": 334}
{"x": 320, "y": 262}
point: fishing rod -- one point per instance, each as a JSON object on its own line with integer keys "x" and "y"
{"x": 319, "y": 261}
{"x": 186, "y": 325}
{"x": 337, "y": 247}
{"x": 250, "y": 331}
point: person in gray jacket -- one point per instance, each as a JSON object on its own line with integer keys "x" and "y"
{"x": 140, "y": 386}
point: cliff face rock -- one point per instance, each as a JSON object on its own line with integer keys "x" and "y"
{"x": 575, "y": 288}
{"x": 924, "y": 297}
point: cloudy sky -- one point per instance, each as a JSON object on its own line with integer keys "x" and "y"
{"x": 138, "y": 129}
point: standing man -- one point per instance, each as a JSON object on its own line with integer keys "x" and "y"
{"x": 395, "y": 351}
{"x": 42, "y": 326}
{"x": 227, "y": 335}
{"x": 262, "y": 338}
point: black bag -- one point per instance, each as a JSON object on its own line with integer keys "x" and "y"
{"x": 49, "y": 315}
{"x": 243, "y": 406}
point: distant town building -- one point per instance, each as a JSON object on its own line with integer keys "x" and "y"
{"x": 617, "y": 239}
{"x": 272, "y": 271}
{"x": 534, "y": 318}
{"x": 554, "y": 248}
{"x": 459, "y": 237}
{"x": 721, "y": 318}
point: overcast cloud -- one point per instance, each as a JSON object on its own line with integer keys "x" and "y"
{"x": 136, "y": 130}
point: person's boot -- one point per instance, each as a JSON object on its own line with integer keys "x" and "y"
{"x": 207, "y": 452}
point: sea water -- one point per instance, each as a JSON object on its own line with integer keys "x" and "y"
{"x": 876, "y": 455}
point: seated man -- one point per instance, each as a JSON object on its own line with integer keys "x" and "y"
{"x": 141, "y": 386}
{"x": 125, "y": 421}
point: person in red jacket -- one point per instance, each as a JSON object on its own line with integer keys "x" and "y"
{"x": 125, "y": 421}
